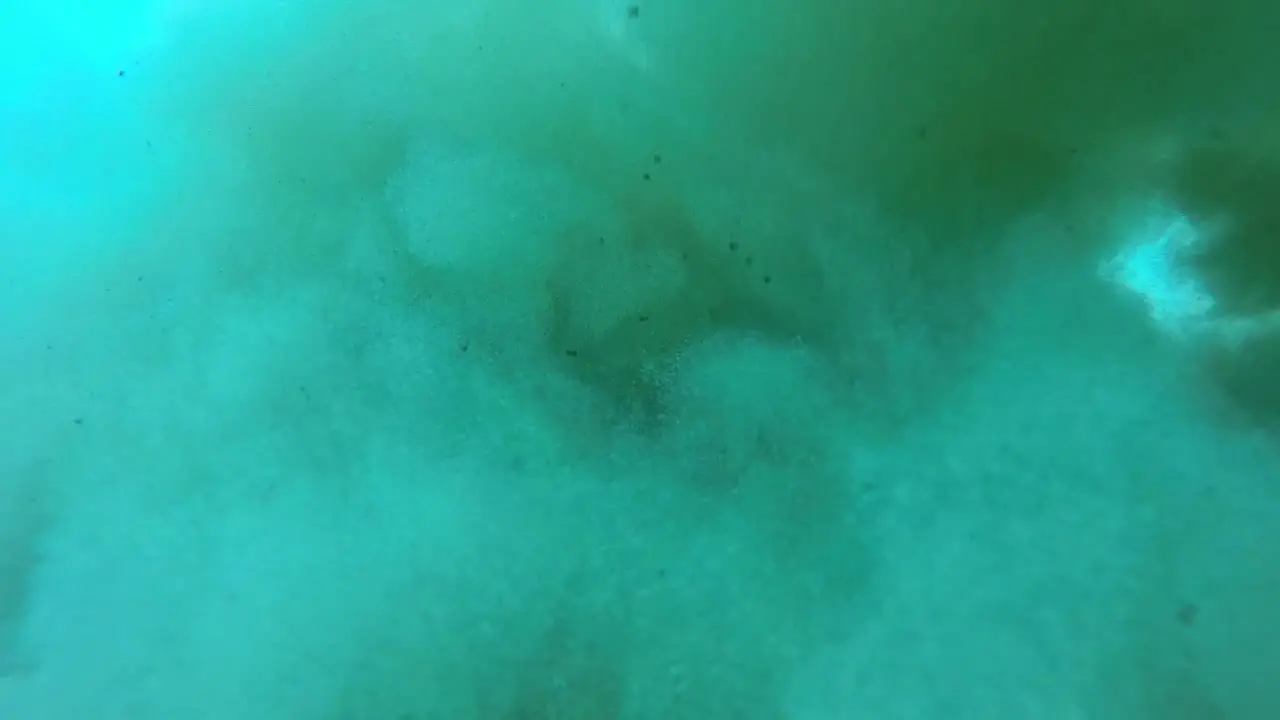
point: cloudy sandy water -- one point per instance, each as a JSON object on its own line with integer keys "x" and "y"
{"x": 597, "y": 360}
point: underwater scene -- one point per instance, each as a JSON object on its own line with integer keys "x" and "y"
{"x": 639, "y": 360}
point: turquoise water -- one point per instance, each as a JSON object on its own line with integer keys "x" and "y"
{"x": 586, "y": 359}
